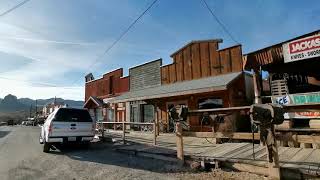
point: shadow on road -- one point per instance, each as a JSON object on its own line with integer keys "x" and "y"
{"x": 103, "y": 153}
{"x": 4, "y": 133}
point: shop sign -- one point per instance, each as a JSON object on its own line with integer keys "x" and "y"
{"x": 300, "y": 49}
{"x": 306, "y": 98}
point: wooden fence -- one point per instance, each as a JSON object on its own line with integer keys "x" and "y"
{"x": 154, "y": 128}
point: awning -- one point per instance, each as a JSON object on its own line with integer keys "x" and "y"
{"x": 209, "y": 84}
{"x": 95, "y": 100}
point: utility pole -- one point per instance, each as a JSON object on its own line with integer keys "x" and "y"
{"x": 30, "y": 112}
{"x": 36, "y": 108}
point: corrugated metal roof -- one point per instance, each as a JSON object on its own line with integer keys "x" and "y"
{"x": 202, "y": 85}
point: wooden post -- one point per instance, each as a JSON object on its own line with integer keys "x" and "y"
{"x": 156, "y": 119}
{"x": 123, "y": 133}
{"x": 102, "y": 130}
{"x": 180, "y": 154}
{"x": 154, "y": 134}
{"x": 257, "y": 97}
{"x": 273, "y": 158}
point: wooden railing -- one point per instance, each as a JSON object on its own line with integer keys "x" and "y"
{"x": 154, "y": 128}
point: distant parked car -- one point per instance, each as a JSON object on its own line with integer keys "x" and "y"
{"x": 28, "y": 123}
{"x": 67, "y": 125}
{"x": 3, "y": 123}
{"x": 10, "y": 122}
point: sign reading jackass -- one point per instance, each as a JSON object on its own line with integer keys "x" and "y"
{"x": 304, "y": 48}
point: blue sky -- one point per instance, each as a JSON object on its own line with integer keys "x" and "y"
{"x": 53, "y": 42}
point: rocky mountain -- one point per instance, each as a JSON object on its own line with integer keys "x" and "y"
{"x": 11, "y": 103}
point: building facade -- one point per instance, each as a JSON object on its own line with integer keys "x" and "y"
{"x": 294, "y": 78}
{"x": 111, "y": 84}
{"x": 201, "y": 76}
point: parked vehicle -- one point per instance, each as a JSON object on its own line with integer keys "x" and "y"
{"x": 3, "y": 123}
{"x": 67, "y": 125}
{"x": 10, "y": 122}
{"x": 28, "y": 123}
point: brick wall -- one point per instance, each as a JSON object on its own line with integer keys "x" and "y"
{"x": 111, "y": 84}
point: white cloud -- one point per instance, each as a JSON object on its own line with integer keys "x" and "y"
{"x": 22, "y": 89}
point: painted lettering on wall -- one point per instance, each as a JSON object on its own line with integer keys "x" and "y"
{"x": 306, "y": 99}
{"x": 283, "y": 100}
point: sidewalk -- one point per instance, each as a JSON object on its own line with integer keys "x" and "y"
{"x": 306, "y": 161}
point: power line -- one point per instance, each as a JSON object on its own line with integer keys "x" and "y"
{"x": 14, "y": 7}
{"x": 219, "y": 22}
{"x": 121, "y": 36}
{"x": 123, "y": 33}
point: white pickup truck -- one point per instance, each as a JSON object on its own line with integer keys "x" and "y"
{"x": 66, "y": 125}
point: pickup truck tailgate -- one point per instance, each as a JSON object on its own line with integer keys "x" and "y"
{"x": 62, "y": 129}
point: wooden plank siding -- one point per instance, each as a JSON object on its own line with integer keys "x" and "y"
{"x": 172, "y": 73}
{"x": 195, "y": 57}
{"x": 179, "y": 66}
{"x": 225, "y": 61}
{"x": 205, "y": 60}
{"x": 236, "y": 57}
{"x": 187, "y": 61}
{"x": 165, "y": 75}
{"x": 214, "y": 57}
{"x": 202, "y": 59}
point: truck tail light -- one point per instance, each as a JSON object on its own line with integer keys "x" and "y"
{"x": 50, "y": 128}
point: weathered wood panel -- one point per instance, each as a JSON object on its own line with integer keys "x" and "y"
{"x": 145, "y": 75}
{"x": 225, "y": 61}
{"x": 172, "y": 73}
{"x": 236, "y": 56}
{"x": 179, "y": 66}
{"x": 164, "y": 74}
{"x": 214, "y": 59}
{"x": 205, "y": 60}
{"x": 195, "y": 56}
{"x": 187, "y": 63}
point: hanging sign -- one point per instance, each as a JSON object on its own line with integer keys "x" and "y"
{"x": 300, "y": 49}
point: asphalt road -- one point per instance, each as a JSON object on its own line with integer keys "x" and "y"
{"x": 21, "y": 157}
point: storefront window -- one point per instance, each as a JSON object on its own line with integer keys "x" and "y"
{"x": 110, "y": 114}
{"x": 99, "y": 114}
{"x": 91, "y": 111}
{"x": 210, "y": 103}
{"x": 148, "y": 112}
{"x": 134, "y": 114}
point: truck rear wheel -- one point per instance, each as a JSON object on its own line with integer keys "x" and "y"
{"x": 46, "y": 147}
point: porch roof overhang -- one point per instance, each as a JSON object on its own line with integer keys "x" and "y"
{"x": 203, "y": 85}
{"x": 271, "y": 59}
{"x": 95, "y": 100}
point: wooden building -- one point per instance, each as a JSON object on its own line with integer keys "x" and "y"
{"x": 111, "y": 84}
{"x": 294, "y": 77}
{"x": 201, "y": 76}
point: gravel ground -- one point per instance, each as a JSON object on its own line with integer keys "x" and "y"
{"x": 218, "y": 174}
{"x": 21, "y": 157}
